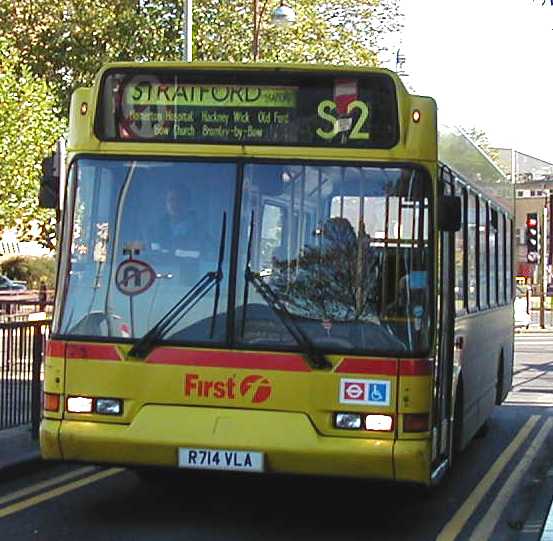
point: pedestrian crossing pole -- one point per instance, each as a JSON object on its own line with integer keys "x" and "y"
{"x": 542, "y": 275}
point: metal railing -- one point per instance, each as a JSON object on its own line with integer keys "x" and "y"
{"x": 22, "y": 307}
{"x": 22, "y": 347}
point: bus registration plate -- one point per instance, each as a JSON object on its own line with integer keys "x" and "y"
{"x": 221, "y": 459}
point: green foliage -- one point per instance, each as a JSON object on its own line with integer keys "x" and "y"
{"x": 34, "y": 270}
{"x": 29, "y": 127}
{"x": 225, "y": 32}
{"x": 65, "y": 42}
{"x": 480, "y": 137}
{"x": 49, "y": 47}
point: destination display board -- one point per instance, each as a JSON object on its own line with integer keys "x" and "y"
{"x": 245, "y": 108}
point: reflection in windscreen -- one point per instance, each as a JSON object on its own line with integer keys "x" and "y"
{"x": 342, "y": 253}
{"x": 345, "y": 249}
{"x": 143, "y": 234}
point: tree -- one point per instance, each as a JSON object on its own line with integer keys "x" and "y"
{"x": 29, "y": 127}
{"x": 65, "y": 41}
{"x": 333, "y": 31}
{"x": 480, "y": 137}
{"x": 338, "y": 280}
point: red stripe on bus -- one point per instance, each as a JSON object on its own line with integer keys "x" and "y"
{"x": 384, "y": 367}
{"x": 229, "y": 359}
{"x": 415, "y": 367}
{"x": 94, "y": 352}
{"x": 55, "y": 348}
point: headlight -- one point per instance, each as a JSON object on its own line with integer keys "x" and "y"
{"x": 109, "y": 406}
{"x": 348, "y": 420}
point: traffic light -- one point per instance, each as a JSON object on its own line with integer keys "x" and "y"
{"x": 532, "y": 237}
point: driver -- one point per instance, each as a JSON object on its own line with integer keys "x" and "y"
{"x": 178, "y": 230}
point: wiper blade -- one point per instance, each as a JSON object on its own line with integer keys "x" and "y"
{"x": 196, "y": 293}
{"x": 219, "y": 274}
{"x": 316, "y": 357}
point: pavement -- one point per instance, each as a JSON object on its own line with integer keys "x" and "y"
{"x": 19, "y": 452}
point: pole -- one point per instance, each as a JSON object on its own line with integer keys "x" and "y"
{"x": 187, "y": 31}
{"x": 36, "y": 406}
{"x": 258, "y": 14}
{"x": 542, "y": 273}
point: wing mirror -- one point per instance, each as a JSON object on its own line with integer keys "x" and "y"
{"x": 48, "y": 195}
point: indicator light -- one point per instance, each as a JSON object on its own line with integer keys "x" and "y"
{"x": 416, "y": 422}
{"x": 416, "y": 116}
{"x": 51, "y": 402}
{"x": 84, "y": 108}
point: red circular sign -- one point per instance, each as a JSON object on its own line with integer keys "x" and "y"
{"x": 134, "y": 277}
{"x": 354, "y": 391}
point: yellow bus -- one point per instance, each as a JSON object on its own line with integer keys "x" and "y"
{"x": 267, "y": 269}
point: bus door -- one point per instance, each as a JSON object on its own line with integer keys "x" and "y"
{"x": 441, "y": 440}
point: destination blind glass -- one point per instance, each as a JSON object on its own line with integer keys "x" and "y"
{"x": 261, "y": 108}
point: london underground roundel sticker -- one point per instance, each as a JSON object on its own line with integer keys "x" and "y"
{"x": 365, "y": 392}
{"x": 134, "y": 277}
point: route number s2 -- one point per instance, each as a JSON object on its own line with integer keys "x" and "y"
{"x": 325, "y": 110}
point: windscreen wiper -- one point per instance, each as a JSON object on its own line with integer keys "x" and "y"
{"x": 315, "y": 357}
{"x": 196, "y": 293}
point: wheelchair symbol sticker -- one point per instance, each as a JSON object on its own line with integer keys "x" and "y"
{"x": 134, "y": 277}
{"x": 365, "y": 392}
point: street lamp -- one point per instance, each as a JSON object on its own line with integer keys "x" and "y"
{"x": 187, "y": 31}
{"x": 282, "y": 16}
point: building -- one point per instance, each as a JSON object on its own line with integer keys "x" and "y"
{"x": 533, "y": 192}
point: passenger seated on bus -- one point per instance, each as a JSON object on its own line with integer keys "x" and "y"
{"x": 409, "y": 298}
{"x": 338, "y": 234}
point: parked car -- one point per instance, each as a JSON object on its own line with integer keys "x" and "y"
{"x": 6, "y": 284}
{"x": 522, "y": 315}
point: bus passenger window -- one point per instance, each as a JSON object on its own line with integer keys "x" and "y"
{"x": 460, "y": 255}
{"x": 471, "y": 251}
{"x": 483, "y": 254}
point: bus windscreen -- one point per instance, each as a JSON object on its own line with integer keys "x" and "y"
{"x": 248, "y": 108}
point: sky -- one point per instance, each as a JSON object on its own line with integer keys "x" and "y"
{"x": 487, "y": 63}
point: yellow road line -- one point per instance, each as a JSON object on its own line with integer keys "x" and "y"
{"x": 485, "y": 527}
{"x": 54, "y": 493}
{"x": 452, "y": 529}
{"x": 45, "y": 484}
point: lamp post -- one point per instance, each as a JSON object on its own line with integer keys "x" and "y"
{"x": 282, "y": 16}
{"x": 187, "y": 31}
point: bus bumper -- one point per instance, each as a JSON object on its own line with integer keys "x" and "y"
{"x": 289, "y": 441}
